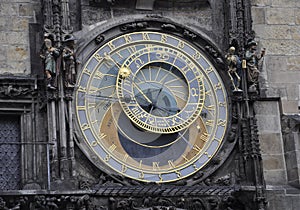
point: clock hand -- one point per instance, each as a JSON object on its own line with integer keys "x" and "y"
{"x": 109, "y": 98}
{"x": 143, "y": 94}
{"x": 190, "y": 145}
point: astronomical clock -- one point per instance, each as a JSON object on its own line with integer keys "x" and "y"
{"x": 150, "y": 101}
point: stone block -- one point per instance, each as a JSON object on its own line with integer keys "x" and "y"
{"x": 260, "y": 2}
{"x": 3, "y": 37}
{"x": 295, "y": 32}
{"x": 275, "y": 63}
{"x": 293, "y": 63}
{"x": 17, "y": 53}
{"x": 18, "y": 38}
{"x": 283, "y": 3}
{"x": 297, "y": 14}
{"x": 278, "y": 201}
{"x": 284, "y": 77}
{"x": 17, "y": 68}
{"x": 271, "y": 143}
{"x": 273, "y": 162}
{"x": 275, "y": 177}
{"x": 25, "y": 9}
{"x": 266, "y": 108}
{"x": 18, "y": 24}
{"x": 291, "y": 160}
{"x": 268, "y": 124}
{"x": 280, "y": 16}
{"x": 258, "y": 15}
{"x": 273, "y": 31}
{"x": 289, "y": 142}
{"x": 3, "y": 23}
{"x": 289, "y": 107}
{"x": 3, "y": 53}
{"x": 281, "y": 47}
{"x": 292, "y": 91}
{"x": 8, "y": 9}
{"x": 293, "y": 176}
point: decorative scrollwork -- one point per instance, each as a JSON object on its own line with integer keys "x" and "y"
{"x": 134, "y": 26}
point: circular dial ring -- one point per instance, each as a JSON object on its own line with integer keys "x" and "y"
{"x": 192, "y": 105}
{"x": 111, "y": 137}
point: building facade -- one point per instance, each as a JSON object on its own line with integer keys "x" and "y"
{"x": 114, "y": 104}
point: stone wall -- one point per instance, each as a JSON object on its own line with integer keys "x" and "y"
{"x": 15, "y": 16}
{"x": 277, "y": 27}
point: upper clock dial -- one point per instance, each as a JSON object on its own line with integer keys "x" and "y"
{"x": 166, "y": 86}
{"x": 151, "y": 107}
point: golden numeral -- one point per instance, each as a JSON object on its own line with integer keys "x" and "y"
{"x": 85, "y": 126}
{"x": 160, "y": 177}
{"x": 209, "y": 123}
{"x": 125, "y": 157}
{"x": 94, "y": 143}
{"x": 80, "y": 107}
{"x": 195, "y": 167}
{"x": 206, "y": 153}
{"x": 222, "y": 123}
{"x": 194, "y": 92}
{"x": 146, "y": 36}
{"x": 222, "y": 104}
{"x": 163, "y": 38}
{"x": 141, "y": 175}
{"x": 197, "y": 55}
{"x": 180, "y": 44}
{"x": 112, "y": 148}
{"x": 81, "y": 89}
{"x": 218, "y": 86}
{"x": 102, "y": 135}
{"x": 132, "y": 49}
{"x": 98, "y": 57}
{"x": 99, "y": 75}
{"x": 208, "y": 70}
{"x": 184, "y": 157}
{"x": 178, "y": 174}
{"x": 107, "y": 157}
{"x": 86, "y": 71}
{"x": 111, "y": 45}
{"x": 204, "y": 136}
{"x": 196, "y": 148}
{"x": 124, "y": 168}
{"x": 155, "y": 166}
{"x": 127, "y": 38}
{"x": 171, "y": 164}
{"x": 140, "y": 165}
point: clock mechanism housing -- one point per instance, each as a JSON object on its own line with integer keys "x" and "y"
{"x": 151, "y": 102}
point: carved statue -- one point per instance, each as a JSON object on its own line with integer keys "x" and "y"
{"x": 234, "y": 68}
{"x": 253, "y": 60}
{"x": 49, "y": 55}
{"x": 69, "y": 63}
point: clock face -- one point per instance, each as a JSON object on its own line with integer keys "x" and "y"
{"x": 151, "y": 106}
